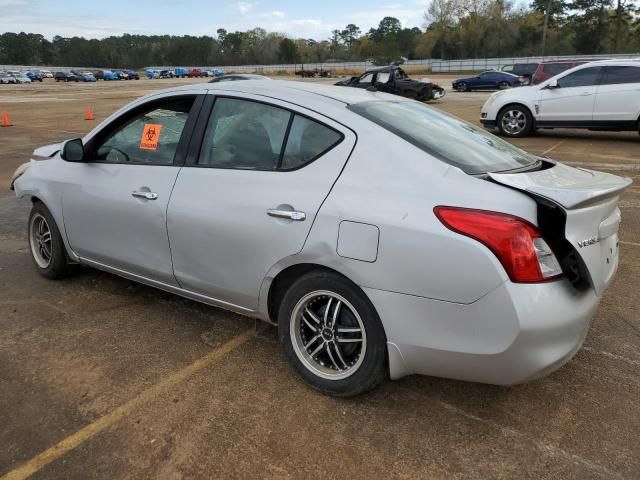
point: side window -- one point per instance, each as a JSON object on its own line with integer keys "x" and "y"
{"x": 152, "y": 137}
{"x": 556, "y": 68}
{"x": 621, "y": 74}
{"x": 368, "y": 78}
{"x": 582, "y": 78}
{"x": 307, "y": 141}
{"x": 244, "y": 134}
{"x": 383, "y": 77}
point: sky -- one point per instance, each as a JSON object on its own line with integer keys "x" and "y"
{"x": 296, "y": 18}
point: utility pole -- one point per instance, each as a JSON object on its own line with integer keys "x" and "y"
{"x": 546, "y": 24}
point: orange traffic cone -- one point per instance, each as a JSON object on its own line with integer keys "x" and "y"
{"x": 88, "y": 114}
{"x": 5, "y": 120}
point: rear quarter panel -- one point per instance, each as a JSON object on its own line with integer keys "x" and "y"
{"x": 395, "y": 186}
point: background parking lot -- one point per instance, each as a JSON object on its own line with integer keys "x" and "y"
{"x": 104, "y": 378}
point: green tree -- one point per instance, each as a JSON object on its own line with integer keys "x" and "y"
{"x": 288, "y": 52}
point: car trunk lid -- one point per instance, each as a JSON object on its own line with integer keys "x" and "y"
{"x": 589, "y": 201}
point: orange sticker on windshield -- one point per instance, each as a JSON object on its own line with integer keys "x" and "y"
{"x": 150, "y": 136}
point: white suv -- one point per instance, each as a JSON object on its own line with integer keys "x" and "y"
{"x": 602, "y": 95}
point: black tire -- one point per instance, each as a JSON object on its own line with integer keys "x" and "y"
{"x": 463, "y": 87}
{"x": 515, "y": 133}
{"x": 372, "y": 368}
{"x": 503, "y": 85}
{"x": 58, "y": 266}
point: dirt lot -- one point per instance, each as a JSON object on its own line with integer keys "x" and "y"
{"x": 103, "y": 378}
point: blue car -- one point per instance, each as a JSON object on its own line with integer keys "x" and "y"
{"x": 34, "y": 75}
{"x": 110, "y": 75}
{"x": 491, "y": 80}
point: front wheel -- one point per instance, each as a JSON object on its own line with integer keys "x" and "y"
{"x": 332, "y": 335}
{"x": 463, "y": 87}
{"x": 46, "y": 245}
{"x": 515, "y": 121}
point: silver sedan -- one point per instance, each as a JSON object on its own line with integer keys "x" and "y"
{"x": 382, "y": 236}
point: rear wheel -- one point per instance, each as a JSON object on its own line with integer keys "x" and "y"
{"x": 332, "y": 335}
{"x": 503, "y": 85}
{"x": 46, "y": 245}
{"x": 515, "y": 121}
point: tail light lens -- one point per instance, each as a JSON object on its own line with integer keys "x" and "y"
{"x": 518, "y": 245}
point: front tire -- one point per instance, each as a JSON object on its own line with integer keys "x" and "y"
{"x": 46, "y": 245}
{"x": 463, "y": 87}
{"x": 332, "y": 335}
{"x": 515, "y": 121}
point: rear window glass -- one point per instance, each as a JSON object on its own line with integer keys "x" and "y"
{"x": 446, "y": 137}
{"x": 556, "y": 68}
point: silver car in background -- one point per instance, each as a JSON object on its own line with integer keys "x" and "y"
{"x": 382, "y": 236}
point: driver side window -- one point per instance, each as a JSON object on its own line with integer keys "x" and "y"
{"x": 368, "y": 78}
{"x": 151, "y": 137}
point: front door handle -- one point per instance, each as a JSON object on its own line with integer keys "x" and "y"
{"x": 585, "y": 94}
{"x": 145, "y": 195}
{"x": 290, "y": 214}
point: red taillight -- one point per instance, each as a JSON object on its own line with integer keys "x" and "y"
{"x": 517, "y": 244}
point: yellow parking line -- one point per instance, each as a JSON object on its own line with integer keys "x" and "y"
{"x": 554, "y": 147}
{"x": 81, "y": 436}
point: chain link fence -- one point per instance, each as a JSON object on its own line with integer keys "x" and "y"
{"x": 436, "y": 66}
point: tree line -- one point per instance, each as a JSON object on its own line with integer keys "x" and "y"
{"x": 452, "y": 29}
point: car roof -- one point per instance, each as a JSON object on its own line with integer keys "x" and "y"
{"x": 286, "y": 89}
{"x": 386, "y": 68}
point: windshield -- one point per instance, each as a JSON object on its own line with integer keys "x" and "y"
{"x": 454, "y": 141}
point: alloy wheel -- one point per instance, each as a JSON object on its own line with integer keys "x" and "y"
{"x": 40, "y": 241}
{"x": 513, "y": 122}
{"x": 328, "y": 335}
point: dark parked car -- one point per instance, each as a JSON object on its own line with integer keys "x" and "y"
{"x": 393, "y": 79}
{"x": 546, "y": 70}
{"x": 167, "y": 74}
{"x": 238, "y": 76}
{"x": 99, "y": 74}
{"x": 524, "y": 70}
{"x": 491, "y": 80}
{"x": 65, "y": 77}
{"x": 132, "y": 75}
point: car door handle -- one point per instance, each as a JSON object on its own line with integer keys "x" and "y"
{"x": 585, "y": 94}
{"x": 145, "y": 195}
{"x": 290, "y": 214}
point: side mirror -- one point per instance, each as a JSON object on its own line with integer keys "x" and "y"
{"x": 73, "y": 150}
{"x": 553, "y": 84}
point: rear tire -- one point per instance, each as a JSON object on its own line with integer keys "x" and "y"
{"x": 503, "y": 85}
{"x": 515, "y": 121}
{"x": 332, "y": 335}
{"x": 45, "y": 244}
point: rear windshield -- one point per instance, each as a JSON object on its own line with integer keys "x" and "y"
{"x": 454, "y": 141}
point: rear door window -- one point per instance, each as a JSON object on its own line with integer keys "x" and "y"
{"x": 618, "y": 74}
{"x": 250, "y": 135}
{"x": 307, "y": 140}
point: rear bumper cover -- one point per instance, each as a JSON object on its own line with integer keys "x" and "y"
{"x": 514, "y": 334}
